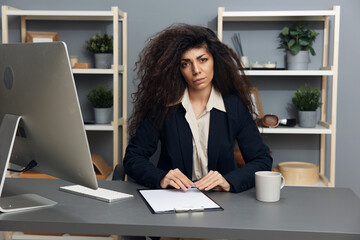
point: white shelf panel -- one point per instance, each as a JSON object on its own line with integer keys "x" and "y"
{"x": 277, "y": 15}
{"x": 99, "y": 127}
{"x": 64, "y": 15}
{"x": 104, "y": 127}
{"x": 96, "y": 70}
{"x": 289, "y": 72}
{"x": 319, "y": 184}
{"x": 295, "y": 130}
{"x": 32, "y": 236}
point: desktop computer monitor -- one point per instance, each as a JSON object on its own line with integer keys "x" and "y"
{"x": 38, "y": 102}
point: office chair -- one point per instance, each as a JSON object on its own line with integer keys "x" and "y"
{"x": 118, "y": 173}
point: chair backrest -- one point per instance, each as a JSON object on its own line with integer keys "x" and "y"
{"x": 119, "y": 173}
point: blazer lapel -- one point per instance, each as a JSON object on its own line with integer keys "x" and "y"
{"x": 216, "y": 131}
{"x": 185, "y": 138}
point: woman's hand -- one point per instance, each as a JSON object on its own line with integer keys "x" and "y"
{"x": 175, "y": 178}
{"x": 213, "y": 181}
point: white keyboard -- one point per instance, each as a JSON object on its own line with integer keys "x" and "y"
{"x": 100, "y": 193}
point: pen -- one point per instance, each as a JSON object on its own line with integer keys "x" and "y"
{"x": 180, "y": 210}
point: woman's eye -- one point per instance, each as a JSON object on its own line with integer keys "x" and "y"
{"x": 184, "y": 64}
{"x": 203, "y": 59}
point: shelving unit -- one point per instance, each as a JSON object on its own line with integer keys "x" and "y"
{"x": 325, "y": 126}
{"x": 115, "y": 15}
{"x": 289, "y": 73}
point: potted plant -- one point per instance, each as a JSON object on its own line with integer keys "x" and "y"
{"x": 102, "y": 47}
{"x": 101, "y": 99}
{"x": 298, "y": 42}
{"x": 307, "y": 100}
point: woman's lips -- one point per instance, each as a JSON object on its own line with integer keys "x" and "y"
{"x": 199, "y": 80}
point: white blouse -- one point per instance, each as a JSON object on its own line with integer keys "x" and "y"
{"x": 200, "y": 130}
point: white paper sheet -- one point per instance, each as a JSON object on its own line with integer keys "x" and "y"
{"x": 173, "y": 200}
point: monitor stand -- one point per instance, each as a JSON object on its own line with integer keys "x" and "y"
{"x": 8, "y": 129}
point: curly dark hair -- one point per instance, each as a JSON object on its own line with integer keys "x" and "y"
{"x": 161, "y": 82}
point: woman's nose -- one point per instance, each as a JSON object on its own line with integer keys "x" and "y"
{"x": 195, "y": 69}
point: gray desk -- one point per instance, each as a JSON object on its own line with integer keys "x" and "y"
{"x": 301, "y": 213}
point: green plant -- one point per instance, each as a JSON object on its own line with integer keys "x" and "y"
{"x": 101, "y": 97}
{"x": 296, "y": 38}
{"x": 306, "y": 98}
{"x": 100, "y": 44}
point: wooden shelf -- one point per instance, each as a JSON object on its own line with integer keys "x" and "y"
{"x": 114, "y": 15}
{"x": 329, "y": 101}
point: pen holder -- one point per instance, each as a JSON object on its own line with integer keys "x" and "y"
{"x": 245, "y": 61}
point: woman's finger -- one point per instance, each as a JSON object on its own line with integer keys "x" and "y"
{"x": 183, "y": 178}
{"x": 207, "y": 180}
{"x": 213, "y": 181}
{"x": 176, "y": 179}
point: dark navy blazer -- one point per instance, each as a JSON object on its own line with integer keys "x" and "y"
{"x": 177, "y": 147}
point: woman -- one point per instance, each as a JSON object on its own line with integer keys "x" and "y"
{"x": 193, "y": 99}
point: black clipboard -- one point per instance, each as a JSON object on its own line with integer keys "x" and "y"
{"x": 178, "y": 201}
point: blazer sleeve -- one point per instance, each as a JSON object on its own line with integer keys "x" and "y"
{"x": 137, "y": 156}
{"x": 255, "y": 153}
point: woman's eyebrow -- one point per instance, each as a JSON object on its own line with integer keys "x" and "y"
{"x": 187, "y": 60}
{"x": 201, "y": 56}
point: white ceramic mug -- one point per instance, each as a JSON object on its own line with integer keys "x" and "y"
{"x": 268, "y": 185}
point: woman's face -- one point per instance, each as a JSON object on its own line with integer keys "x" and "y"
{"x": 197, "y": 67}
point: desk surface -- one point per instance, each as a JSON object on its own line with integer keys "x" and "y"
{"x": 301, "y": 213}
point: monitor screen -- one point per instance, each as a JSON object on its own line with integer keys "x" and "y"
{"x": 37, "y": 84}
